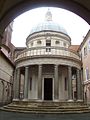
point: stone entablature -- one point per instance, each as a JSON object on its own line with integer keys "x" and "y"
{"x": 48, "y": 60}
{"x": 48, "y": 33}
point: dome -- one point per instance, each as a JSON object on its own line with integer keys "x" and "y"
{"x": 48, "y": 24}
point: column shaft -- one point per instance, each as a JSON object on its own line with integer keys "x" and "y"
{"x": 26, "y": 83}
{"x": 79, "y": 86}
{"x": 40, "y": 82}
{"x": 17, "y": 84}
{"x": 56, "y": 83}
{"x": 69, "y": 83}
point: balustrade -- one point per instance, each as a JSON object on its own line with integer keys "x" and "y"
{"x": 47, "y": 51}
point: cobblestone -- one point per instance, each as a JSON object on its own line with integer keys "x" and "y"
{"x": 23, "y": 116}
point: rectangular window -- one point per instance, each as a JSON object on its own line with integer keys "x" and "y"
{"x": 89, "y": 45}
{"x": 85, "y": 51}
{"x": 48, "y": 42}
{"x": 30, "y": 83}
{"x": 87, "y": 73}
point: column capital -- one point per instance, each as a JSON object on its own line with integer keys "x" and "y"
{"x": 26, "y": 67}
{"x": 78, "y": 70}
{"x": 69, "y": 67}
{"x": 56, "y": 65}
{"x": 18, "y": 68}
{"x": 40, "y": 65}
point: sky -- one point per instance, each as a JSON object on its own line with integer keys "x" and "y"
{"x": 75, "y": 26}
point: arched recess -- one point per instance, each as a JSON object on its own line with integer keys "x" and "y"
{"x": 24, "y": 5}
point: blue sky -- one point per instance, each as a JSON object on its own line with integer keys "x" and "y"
{"x": 75, "y": 26}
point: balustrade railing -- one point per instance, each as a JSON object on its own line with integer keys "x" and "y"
{"x": 47, "y": 51}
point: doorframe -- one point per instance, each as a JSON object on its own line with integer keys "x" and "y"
{"x": 48, "y": 76}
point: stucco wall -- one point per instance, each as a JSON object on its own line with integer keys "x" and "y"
{"x": 86, "y": 66}
{"x": 6, "y": 72}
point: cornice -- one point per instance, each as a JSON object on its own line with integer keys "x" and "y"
{"x": 44, "y": 34}
{"x": 49, "y": 56}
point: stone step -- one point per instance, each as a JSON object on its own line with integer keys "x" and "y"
{"x": 46, "y": 111}
{"x": 37, "y": 109}
{"x": 47, "y": 107}
{"x": 68, "y": 109}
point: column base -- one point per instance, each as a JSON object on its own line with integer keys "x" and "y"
{"x": 70, "y": 100}
{"x": 55, "y": 100}
{"x": 79, "y": 100}
{"x": 25, "y": 99}
{"x": 16, "y": 99}
{"x": 40, "y": 100}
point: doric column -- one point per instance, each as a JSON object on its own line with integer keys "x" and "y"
{"x": 40, "y": 82}
{"x": 16, "y": 84}
{"x": 26, "y": 83}
{"x": 56, "y": 83}
{"x": 79, "y": 86}
{"x": 70, "y": 83}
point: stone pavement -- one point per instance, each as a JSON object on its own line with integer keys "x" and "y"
{"x": 23, "y": 116}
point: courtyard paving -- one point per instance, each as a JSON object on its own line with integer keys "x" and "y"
{"x": 23, "y": 116}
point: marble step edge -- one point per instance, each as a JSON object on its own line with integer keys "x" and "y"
{"x": 45, "y": 109}
{"x": 31, "y": 106}
{"x": 45, "y": 112}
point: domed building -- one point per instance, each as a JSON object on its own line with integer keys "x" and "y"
{"x": 48, "y": 69}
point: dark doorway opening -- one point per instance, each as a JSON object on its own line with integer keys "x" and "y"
{"x": 48, "y": 88}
